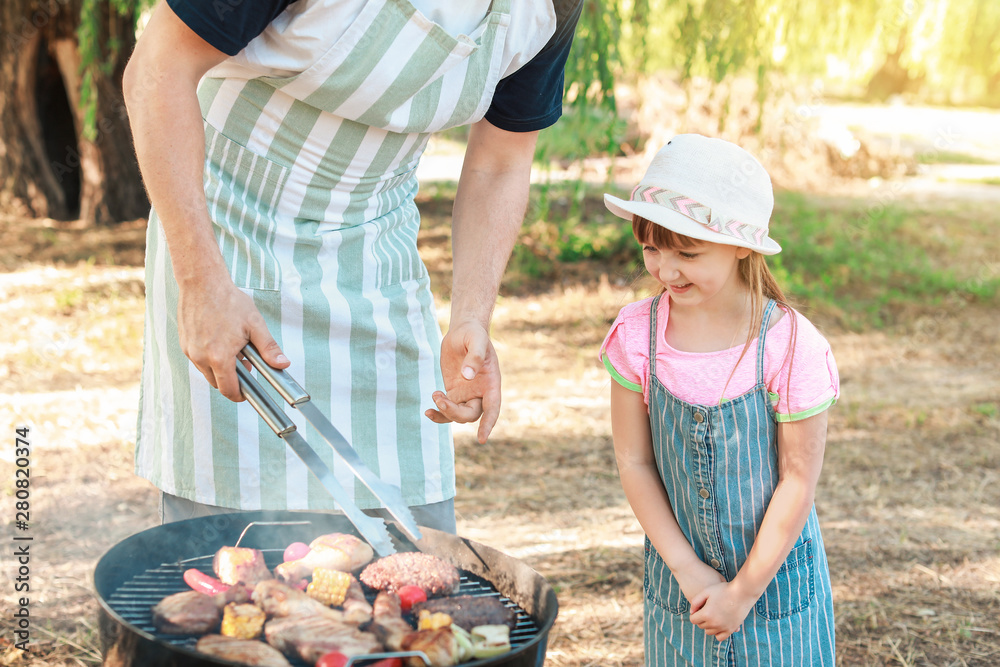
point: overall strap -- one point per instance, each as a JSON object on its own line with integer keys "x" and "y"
{"x": 761, "y": 335}
{"x": 652, "y": 335}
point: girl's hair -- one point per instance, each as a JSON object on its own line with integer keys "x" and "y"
{"x": 753, "y": 271}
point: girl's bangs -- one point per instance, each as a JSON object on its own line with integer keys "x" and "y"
{"x": 658, "y": 236}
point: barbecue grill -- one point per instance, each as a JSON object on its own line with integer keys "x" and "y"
{"x": 141, "y": 570}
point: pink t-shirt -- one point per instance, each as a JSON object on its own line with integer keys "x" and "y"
{"x": 699, "y": 377}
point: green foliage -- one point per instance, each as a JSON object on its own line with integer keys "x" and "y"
{"x": 583, "y": 131}
{"x": 100, "y": 47}
{"x": 567, "y": 224}
{"x": 865, "y": 263}
{"x": 858, "y": 264}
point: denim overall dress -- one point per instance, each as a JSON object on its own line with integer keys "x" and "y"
{"x": 310, "y": 181}
{"x": 719, "y": 465}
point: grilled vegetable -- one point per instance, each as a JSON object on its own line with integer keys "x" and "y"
{"x": 295, "y": 551}
{"x": 490, "y": 640}
{"x": 433, "y": 620}
{"x": 329, "y": 586}
{"x": 410, "y": 595}
{"x": 242, "y": 621}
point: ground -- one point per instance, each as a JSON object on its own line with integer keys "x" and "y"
{"x": 909, "y": 500}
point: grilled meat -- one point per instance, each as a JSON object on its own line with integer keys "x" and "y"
{"x": 238, "y": 564}
{"x": 357, "y": 609}
{"x": 310, "y": 637}
{"x": 187, "y": 613}
{"x": 246, "y": 651}
{"x": 440, "y": 646}
{"x": 388, "y": 623}
{"x": 194, "y": 613}
{"x": 469, "y": 611}
{"x": 412, "y": 568}
{"x": 278, "y": 599}
{"x": 335, "y": 551}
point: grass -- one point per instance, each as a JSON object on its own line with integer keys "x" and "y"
{"x": 949, "y": 157}
{"x": 858, "y": 263}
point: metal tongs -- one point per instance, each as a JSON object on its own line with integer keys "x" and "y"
{"x": 372, "y": 529}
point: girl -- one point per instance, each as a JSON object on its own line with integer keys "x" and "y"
{"x": 719, "y": 421}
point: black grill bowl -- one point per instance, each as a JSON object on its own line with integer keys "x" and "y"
{"x": 142, "y": 569}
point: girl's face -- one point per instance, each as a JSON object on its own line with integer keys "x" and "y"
{"x": 695, "y": 274}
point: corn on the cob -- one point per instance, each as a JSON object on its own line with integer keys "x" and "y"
{"x": 243, "y": 621}
{"x": 329, "y": 586}
{"x": 433, "y": 620}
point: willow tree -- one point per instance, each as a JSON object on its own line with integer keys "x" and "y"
{"x": 65, "y": 144}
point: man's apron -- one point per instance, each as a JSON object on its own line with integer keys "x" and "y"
{"x": 719, "y": 465}
{"x": 310, "y": 181}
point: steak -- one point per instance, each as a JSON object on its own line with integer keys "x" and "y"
{"x": 310, "y": 637}
{"x": 187, "y": 613}
{"x": 246, "y": 651}
{"x": 469, "y": 611}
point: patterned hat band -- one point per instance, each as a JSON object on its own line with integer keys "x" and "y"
{"x": 699, "y": 213}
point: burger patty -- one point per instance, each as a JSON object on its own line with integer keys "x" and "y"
{"x": 412, "y": 568}
{"x": 470, "y": 611}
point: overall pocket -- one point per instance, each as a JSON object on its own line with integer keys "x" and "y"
{"x": 242, "y": 190}
{"x": 659, "y": 584}
{"x": 793, "y": 587}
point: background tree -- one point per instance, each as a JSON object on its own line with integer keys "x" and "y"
{"x": 65, "y": 144}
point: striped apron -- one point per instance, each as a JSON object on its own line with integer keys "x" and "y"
{"x": 310, "y": 181}
{"x": 719, "y": 465}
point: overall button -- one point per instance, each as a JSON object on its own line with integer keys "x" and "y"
{"x": 698, "y": 417}
{"x": 716, "y": 563}
{"x": 704, "y": 493}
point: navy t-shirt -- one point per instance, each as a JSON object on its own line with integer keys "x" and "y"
{"x": 529, "y": 99}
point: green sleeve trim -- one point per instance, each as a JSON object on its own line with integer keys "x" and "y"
{"x": 805, "y": 414}
{"x": 618, "y": 376}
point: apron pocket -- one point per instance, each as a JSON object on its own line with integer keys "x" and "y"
{"x": 243, "y": 190}
{"x": 659, "y": 584}
{"x": 792, "y": 588}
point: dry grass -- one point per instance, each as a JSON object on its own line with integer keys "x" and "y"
{"x": 909, "y": 499}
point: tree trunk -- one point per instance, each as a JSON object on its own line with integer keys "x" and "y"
{"x": 48, "y": 168}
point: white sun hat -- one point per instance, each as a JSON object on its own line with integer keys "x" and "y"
{"x": 707, "y": 189}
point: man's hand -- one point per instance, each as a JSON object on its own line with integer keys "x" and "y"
{"x": 471, "y": 379}
{"x": 215, "y": 321}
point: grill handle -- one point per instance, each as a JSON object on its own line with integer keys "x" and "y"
{"x": 289, "y": 389}
{"x": 265, "y": 406}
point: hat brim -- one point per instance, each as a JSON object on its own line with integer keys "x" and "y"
{"x": 681, "y": 224}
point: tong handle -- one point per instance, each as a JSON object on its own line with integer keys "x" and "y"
{"x": 289, "y": 389}
{"x": 265, "y": 406}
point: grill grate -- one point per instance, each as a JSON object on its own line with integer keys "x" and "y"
{"x": 135, "y": 598}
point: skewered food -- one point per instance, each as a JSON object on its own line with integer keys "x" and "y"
{"x": 310, "y": 637}
{"x": 239, "y": 564}
{"x": 413, "y": 568}
{"x": 247, "y": 651}
{"x": 470, "y": 611}
{"x": 243, "y": 621}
